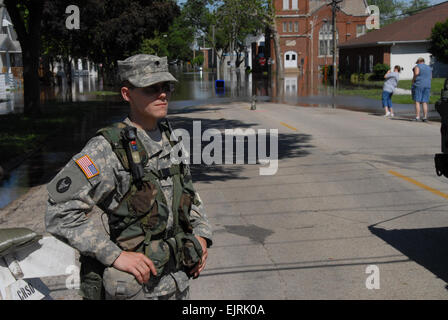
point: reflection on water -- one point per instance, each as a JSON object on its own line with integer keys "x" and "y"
{"x": 79, "y": 90}
{"x": 43, "y": 165}
{"x": 198, "y": 88}
{"x": 195, "y": 88}
{"x": 11, "y": 102}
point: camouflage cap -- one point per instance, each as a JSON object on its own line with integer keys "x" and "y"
{"x": 143, "y": 70}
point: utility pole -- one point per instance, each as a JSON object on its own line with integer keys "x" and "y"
{"x": 213, "y": 50}
{"x": 334, "y": 7}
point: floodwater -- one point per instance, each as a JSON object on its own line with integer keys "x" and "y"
{"x": 193, "y": 89}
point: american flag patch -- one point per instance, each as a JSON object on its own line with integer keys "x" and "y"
{"x": 87, "y": 166}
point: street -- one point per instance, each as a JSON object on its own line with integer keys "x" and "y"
{"x": 352, "y": 190}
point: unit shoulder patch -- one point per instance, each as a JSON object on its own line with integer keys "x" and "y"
{"x": 67, "y": 184}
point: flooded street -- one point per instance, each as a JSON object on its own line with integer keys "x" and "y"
{"x": 193, "y": 89}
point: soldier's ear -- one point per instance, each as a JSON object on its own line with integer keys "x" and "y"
{"x": 125, "y": 93}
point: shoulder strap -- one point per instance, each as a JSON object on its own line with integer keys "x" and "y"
{"x": 112, "y": 134}
{"x": 165, "y": 127}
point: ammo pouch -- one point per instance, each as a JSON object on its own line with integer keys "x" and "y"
{"x": 191, "y": 252}
{"x": 187, "y": 250}
{"x": 441, "y": 163}
{"x": 91, "y": 278}
{"x": 120, "y": 285}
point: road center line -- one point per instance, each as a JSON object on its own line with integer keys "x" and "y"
{"x": 419, "y": 184}
{"x": 288, "y": 126}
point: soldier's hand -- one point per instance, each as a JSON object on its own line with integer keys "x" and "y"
{"x": 201, "y": 265}
{"x": 137, "y": 264}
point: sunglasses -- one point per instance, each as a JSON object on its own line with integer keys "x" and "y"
{"x": 165, "y": 87}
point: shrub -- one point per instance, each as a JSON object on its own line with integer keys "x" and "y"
{"x": 379, "y": 70}
{"x": 354, "y": 78}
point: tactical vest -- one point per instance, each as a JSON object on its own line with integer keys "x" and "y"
{"x": 139, "y": 223}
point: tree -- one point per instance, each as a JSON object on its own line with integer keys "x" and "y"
{"x": 156, "y": 46}
{"x": 26, "y": 17}
{"x": 416, "y": 5}
{"x": 390, "y": 10}
{"x": 236, "y": 19}
{"x": 107, "y": 33}
{"x": 439, "y": 41}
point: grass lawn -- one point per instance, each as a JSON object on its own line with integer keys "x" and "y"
{"x": 373, "y": 90}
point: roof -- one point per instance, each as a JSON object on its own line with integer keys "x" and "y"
{"x": 416, "y": 28}
{"x": 350, "y": 7}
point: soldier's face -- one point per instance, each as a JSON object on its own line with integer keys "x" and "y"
{"x": 149, "y": 101}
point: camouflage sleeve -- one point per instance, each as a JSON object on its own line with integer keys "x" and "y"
{"x": 198, "y": 218}
{"x": 200, "y": 223}
{"x": 74, "y": 192}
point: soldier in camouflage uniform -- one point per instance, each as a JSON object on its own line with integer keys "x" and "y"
{"x": 97, "y": 176}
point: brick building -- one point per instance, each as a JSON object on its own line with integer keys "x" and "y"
{"x": 305, "y": 31}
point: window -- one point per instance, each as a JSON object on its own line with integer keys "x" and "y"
{"x": 287, "y": 57}
{"x": 284, "y": 26}
{"x": 360, "y": 30}
{"x": 290, "y": 27}
{"x": 326, "y": 40}
{"x": 296, "y": 26}
{"x": 370, "y": 63}
{"x": 295, "y": 5}
{"x": 285, "y": 4}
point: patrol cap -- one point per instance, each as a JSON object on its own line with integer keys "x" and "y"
{"x": 143, "y": 70}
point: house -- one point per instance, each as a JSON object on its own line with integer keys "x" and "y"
{"x": 305, "y": 31}
{"x": 10, "y": 50}
{"x": 399, "y": 43}
{"x": 79, "y": 68}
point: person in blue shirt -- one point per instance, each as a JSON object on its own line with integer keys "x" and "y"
{"x": 389, "y": 86}
{"x": 421, "y": 88}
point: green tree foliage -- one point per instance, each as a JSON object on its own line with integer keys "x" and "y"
{"x": 390, "y": 10}
{"x": 379, "y": 70}
{"x": 110, "y": 30}
{"x": 196, "y": 14}
{"x": 439, "y": 41}
{"x": 394, "y": 10}
{"x": 416, "y": 5}
{"x": 156, "y": 46}
{"x": 237, "y": 19}
{"x": 198, "y": 60}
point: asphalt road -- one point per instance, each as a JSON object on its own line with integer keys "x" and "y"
{"x": 352, "y": 190}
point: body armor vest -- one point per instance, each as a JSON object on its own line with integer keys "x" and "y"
{"x": 140, "y": 222}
